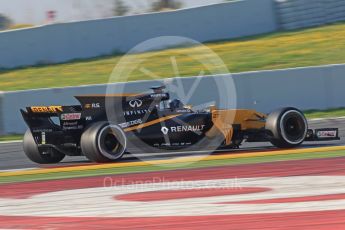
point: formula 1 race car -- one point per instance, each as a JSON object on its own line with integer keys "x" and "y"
{"x": 157, "y": 123}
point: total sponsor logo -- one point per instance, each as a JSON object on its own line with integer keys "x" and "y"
{"x": 136, "y": 112}
{"x": 46, "y": 109}
{"x": 65, "y": 128}
{"x": 136, "y": 103}
{"x": 92, "y": 106}
{"x": 66, "y": 123}
{"x": 159, "y": 95}
{"x": 172, "y": 144}
{"x": 327, "y": 133}
{"x": 130, "y": 123}
{"x": 42, "y": 130}
{"x": 72, "y": 125}
{"x": 183, "y": 111}
{"x": 182, "y": 128}
{"x": 70, "y": 116}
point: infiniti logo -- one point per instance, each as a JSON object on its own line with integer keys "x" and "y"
{"x": 136, "y": 103}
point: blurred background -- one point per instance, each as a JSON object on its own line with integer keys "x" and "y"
{"x": 53, "y": 44}
{"x": 21, "y": 13}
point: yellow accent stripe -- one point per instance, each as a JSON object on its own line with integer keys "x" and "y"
{"x": 151, "y": 122}
{"x": 171, "y": 161}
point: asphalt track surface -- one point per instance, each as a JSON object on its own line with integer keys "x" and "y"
{"x": 12, "y": 156}
{"x": 302, "y": 194}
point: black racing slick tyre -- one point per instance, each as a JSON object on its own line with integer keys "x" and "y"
{"x": 34, "y": 154}
{"x": 102, "y": 142}
{"x": 287, "y": 126}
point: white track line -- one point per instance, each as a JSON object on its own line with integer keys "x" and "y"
{"x": 15, "y": 170}
{"x": 10, "y": 142}
{"x": 327, "y": 118}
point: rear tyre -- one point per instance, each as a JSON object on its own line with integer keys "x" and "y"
{"x": 34, "y": 154}
{"x": 103, "y": 142}
{"x": 288, "y": 127}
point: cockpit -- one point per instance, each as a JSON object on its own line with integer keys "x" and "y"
{"x": 165, "y": 102}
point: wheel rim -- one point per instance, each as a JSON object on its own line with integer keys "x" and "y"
{"x": 293, "y": 127}
{"x": 112, "y": 142}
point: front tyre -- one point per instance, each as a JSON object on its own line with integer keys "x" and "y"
{"x": 287, "y": 126}
{"x": 103, "y": 142}
{"x": 34, "y": 154}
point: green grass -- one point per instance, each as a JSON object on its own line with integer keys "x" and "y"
{"x": 339, "y": 112}
{"x": 11, "y": 137}
{"x": 315, "y": 46}
{"x": 151, "y": 168}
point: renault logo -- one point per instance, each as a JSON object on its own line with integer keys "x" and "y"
{"x": 165, "y": 130}
{"x": 135, "y": 103}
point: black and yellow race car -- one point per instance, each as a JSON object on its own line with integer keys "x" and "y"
{"x": 104, "y": 127}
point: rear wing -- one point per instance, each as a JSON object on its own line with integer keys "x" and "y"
{"x": 40, "y": 118}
